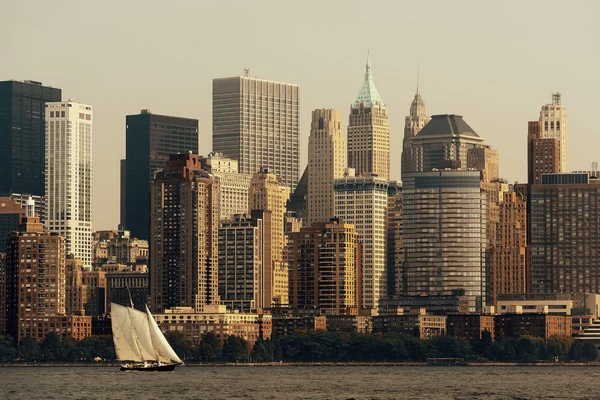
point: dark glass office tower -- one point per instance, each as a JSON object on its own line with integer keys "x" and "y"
{"x": 22, "y": 136}
{"x": 150, "y": 139}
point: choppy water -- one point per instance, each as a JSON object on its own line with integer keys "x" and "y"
{"x": 285, "y": 383}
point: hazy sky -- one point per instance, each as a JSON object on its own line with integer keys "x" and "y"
{"x": 494, "y": 62}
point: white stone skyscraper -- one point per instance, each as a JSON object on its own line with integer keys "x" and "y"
{"x": 413, "y": 124}
{"x": 256, "y": 122}
{"x": 69, "y": 175}
{"x": 362, "y": 201}
{"x": 554, "y": 126}
{"x": 369, "y": 131}
{"x": 326, "y": 162}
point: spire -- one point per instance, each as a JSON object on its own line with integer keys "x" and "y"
{"x": 368, "y": 93}
{"x": 417, "y": 77}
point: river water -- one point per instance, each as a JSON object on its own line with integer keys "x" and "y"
{"x": 293, "y": 382}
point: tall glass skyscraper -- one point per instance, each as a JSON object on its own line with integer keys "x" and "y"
{"x": 445, "y": 235}
{"x": 22, "y": 132}
{"x": 150, "y": 139}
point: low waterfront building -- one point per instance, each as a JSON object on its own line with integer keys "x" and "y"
{"x": 349, "y": 323}
{"x": 417, "y": 323}
{"x": 529, "y": 303}
{"x": 469, "y": 326}
{"x": 215, "y": 319}
{"x": 536, "y": 325}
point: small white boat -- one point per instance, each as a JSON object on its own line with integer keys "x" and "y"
{"x": 139, "y": 343}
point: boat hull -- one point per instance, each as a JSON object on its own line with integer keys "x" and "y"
{"x": 165, "y": 367}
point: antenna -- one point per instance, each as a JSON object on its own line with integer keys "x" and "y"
{"x": 595, "y": 168}
{"x": 417, "y": 76}
{"x": 247, "y": 72}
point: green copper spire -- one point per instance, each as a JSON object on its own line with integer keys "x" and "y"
{"x": 368, "y": 93}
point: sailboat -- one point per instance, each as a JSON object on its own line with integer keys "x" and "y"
{"x": 139, "y": 343}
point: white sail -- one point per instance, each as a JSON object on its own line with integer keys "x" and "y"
{"x": 125, "y": 345}
{"x": 162, "y": 347}
{"x": 141, "y": 334}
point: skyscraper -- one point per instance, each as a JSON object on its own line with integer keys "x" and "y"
{"x": 543, "y": 155}
{"x": 445, "y": 238}
{"x": 324, "y": 267}
{"x": 413, "y": 124}
{"x": 184, "y": 236}
{"x": 508, "y": 264}
{"x": 362, "y": 201}
{"x": 485, "y": 159}
{"x": 241, "y": 262}
{"x": 326, "y": 162}
{"x": 268, "y": 195}
{"x": 564, "y": 234}
{"x": 553, "y": 118}
{"x": 37, "y": 259}
{"x": 69, "y": 176}
{"x": 150, "y": 140}
{"x": 22, "y": 133}
{"x": 369, "y": 131}
{"x": 256, "y": 122}
{"x": 11, "y": 214}
{"x": 444, "y": 142}
{"x": 395, "y": 247}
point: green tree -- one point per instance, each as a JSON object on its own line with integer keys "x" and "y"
{"x": 7, "y": 351}
{"x": 28, "y": 349}
{"x": 589, "y": 352}
{"x": 262, "y": 351}
{"x": 180, "y": 344}
{"x": 576, "y": 351}
{"x": 51, "y": 348}
{"x": 209, "y": 349}
{"x": 235, "y": 349}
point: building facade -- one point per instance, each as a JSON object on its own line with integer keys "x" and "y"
{"x": 564, "y": 234}
{"x": 184, "y": 242}
{"x": 241, "y": 251}
{"x": 485, "y": 159}
{"x": 11, "y": 214}
{"x": 256, "y": 122}
{"x": 362, "y": 201}
{"x": 22, "y": 133}
{"x": 150, "y": 140}
{"x": 326, "y": 162}
{"x": 553, "y": 119}
{"x": 69, "y": 175}
{"x": 395, "y": 247}
{"x": 234, "y": 186}
{"x": 508, "y": 261}
{"x": 35, "y": 279}
{"x": 118, "y": 247}
{"x": 543, "y": 155}
{"x": 445, "y": 235}
{"x": 268, "y": 194}
{"x": 325, "y": 267}
{"x": 369, "y": 131}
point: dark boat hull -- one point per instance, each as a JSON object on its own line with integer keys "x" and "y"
{"x": 167, "y": 367}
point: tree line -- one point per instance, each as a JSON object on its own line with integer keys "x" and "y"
{"x": 315, "y": 347}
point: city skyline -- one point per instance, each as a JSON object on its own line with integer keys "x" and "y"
{"x": 497, "y": 77}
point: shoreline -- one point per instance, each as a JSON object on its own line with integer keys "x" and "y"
{"x": 309, "y": 364}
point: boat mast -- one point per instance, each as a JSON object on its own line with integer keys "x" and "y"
{"x": 130, "y": 299}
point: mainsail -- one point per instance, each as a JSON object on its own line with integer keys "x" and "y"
{"x": 162, "y": 347}
{"x": 125, "y": 345}
{"x": 138, "y": 338}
